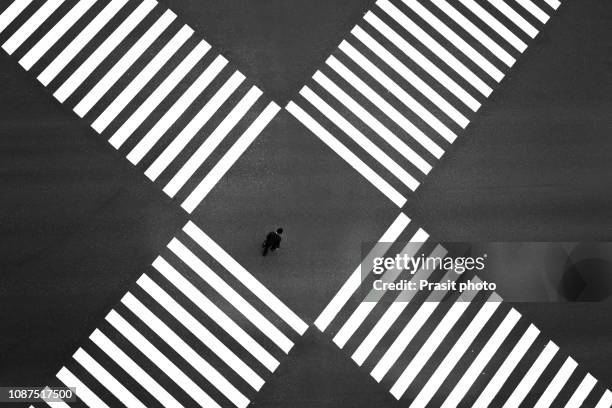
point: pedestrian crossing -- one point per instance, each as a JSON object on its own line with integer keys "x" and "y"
{"x": 145, "y": 82}
{"x": 196, "y": 330}
{"x": 441, "y": 348}
{"x": 408, "y": 79}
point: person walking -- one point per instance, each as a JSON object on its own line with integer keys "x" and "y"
{"x": 272, "y": 241}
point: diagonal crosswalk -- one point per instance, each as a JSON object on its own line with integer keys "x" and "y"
{"x": 140, "y": 78}
{"x": 197, "y": 329}
{"x": 408, "y": 79}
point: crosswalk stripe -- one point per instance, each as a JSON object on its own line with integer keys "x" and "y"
{"x": 435, "y": 47}
{"x": 403, "y": 96}
{"x": 605, "y": 401}
{"x": 429, "y": 67}
{"x": 507, "y": 367}
{"x": 475, "y": 32}
{"x": 185, "y": 351}
{"x": 80, "y": 41}
{"x": 126, "y": 61}
{"x": 365, "y": 307}
{"x": 216, "y": 314}
{"x": 354, "y": 281}
{"x": 492, "y": 22}
{"x": 158, "y": 95}
{"x": 161, "y": 361}
{"x": 535, "y": 11}
{"x": 483, "y": 358}
{"x": 230, "y": 157}
{"x": 553, "y": 3}
{"x": 392, "y": 313}
{"x": 582, "y": 392}
{"x": 177, "y": 110}
{"x": 359, "y": 138}
{"x": 103, "y": 51}
{"x": 142, "y": 79}
{"x": 129, "y": 366}
{"x": 212, "y": 141}
{"x": 383, "y": 105}
{"x": 195, "y": 125}
{"x": 55, "y": 34}
{"x": 12, "y": 12}
{"x": 410, "y": 76}
{"x": 81, "y": 390}
{"x": 515, "y": 17}
{"x": 27, "y": 29}
{"x": 432, "y": 343}
{"x": 107, "y": 380}
{"x": 457, "y": 351}
{"x": 532, "y": 375}
{"x": 365, "y": 116}
{"x": 556, "y": 384}
{"x": 201, "y": 332}
{"x": 454, "y": 39}
{"x": 232, "y": 297}
{"x": 346, "y": 154}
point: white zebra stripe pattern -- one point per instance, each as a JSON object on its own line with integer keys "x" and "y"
{"x": 115, "y": 79}
{"x": 229, "y": 356}
{"x": 395, "y": 76}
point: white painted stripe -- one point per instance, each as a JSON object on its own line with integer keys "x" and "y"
{"x": 12, "y": 12}
{"x": 212, "y": 142}
{"x": 483, "y": 358}
{"x": 403, "y": 339}
{"x": 81, "y": 390}
{"x": 556, "y": 384}
{"x": 534, "y": 10}
{"x": 232, "y": 297}
{"x": 382, "y": 104}
{"x": 454, "y": 39}
{"x": 142, "y": 79}
{"x": 515, "y": 17}
{"x": 354, "y": 281}
{"x": 372, "y": 122}
{"x": 429, "y": 67}
{"x": 185, "y": 351}
{"x": 365, "y": 307}
{"x": 129, "y": 366}
{"x": 605, "y": 401}
{"x": 80, "y": 41}
{"x": 158, "y": 95}
{"x": 57, "y": 32}
{"x": 177, "y": 110}
{"x": 401, "y": 95}
{"x": 582, "y": 392}
{"x": 396, "y": 308}
{"x": 27, "y": 29}
{"x": 504, "y": 371}
{"x": 202, "y": 333}
{"x": 103, "y": 51}
{"x": 410, "y": 76}
{"x": 346, "y": 154}
{"x": 161, "y": 361}
{"x": 453, "y": 356}
{"x": 532, "y": 375}
{"x": 126, "y": 61}
{"x": 553, "y": 3}
{"x": 107, "y": 380}
{"x": 360, "y": 139}
{"x": 435, "y": 47}
{"x": 492, "y": 22}
{"x": 195, "y": 125}
{"x": 230, "y": 157}
{"x": 475, "y": 32}
{"x": 216, "y": 314}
